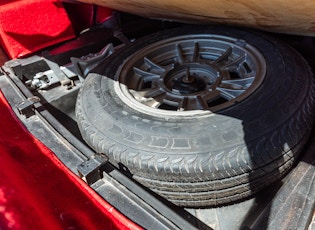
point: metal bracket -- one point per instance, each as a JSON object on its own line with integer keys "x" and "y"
{"x": 89, "y": 170}
{"x": 43, "y": 80}
{"x": 41, "y": 73}
{"x": 85, "y": 64}
{"x": 122, "y": 37}
{"x": 64, "y": 80}
{"x": 26, "y": 107}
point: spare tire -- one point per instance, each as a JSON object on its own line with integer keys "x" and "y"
{"x": 200, "y": 115}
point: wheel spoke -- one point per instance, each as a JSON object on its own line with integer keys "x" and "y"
{"x": 151, "y": 102}
{"x": 212, "y": 96}
{"x": 136, "y": 82}
{"x": 196, "y": 52}
{"x": 180, "y": 57}
{"x": 194, "y": 103}
{"x": 237, "y": 83}
{"x": 230, "y": 94}
{"x": 153, "y": 65}
{"x": 147, "y": 76}
{"x": 150, "y": 97}
{"x": 224, "y": 56}
{"x": 152, "y": 92}
{"x": 172, "y": 101}
{"x": 234, "y": 65}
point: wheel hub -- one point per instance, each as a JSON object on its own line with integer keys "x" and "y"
{"x": 190, "y": 78}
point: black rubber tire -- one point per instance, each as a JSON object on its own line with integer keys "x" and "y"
{"x": 209, "y": 160}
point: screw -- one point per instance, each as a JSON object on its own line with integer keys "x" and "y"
{"x": 188, "y": 78}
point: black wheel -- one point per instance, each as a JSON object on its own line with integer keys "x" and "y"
{"x": 200, "y": 115}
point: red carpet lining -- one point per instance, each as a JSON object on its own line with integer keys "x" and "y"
{"x": 27, "y": 26}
